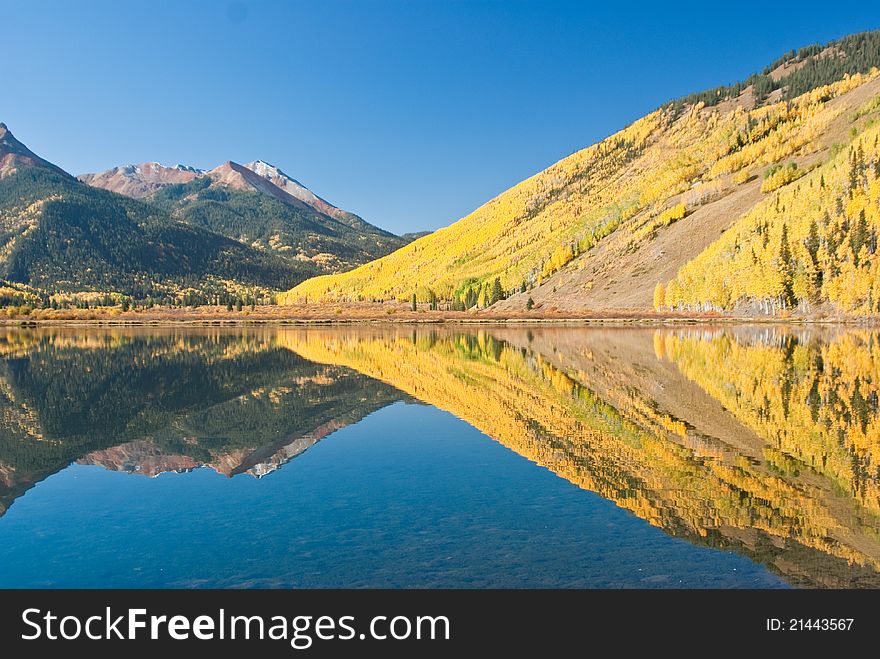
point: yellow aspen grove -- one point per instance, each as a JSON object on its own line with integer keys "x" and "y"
{"x": 814, "y": 241}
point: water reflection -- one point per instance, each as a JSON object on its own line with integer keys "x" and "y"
{"x": 761, "y": 440}
{"x": 154, "y": 402}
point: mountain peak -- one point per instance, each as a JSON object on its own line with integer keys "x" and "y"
{"x": 14, "y": 156}
{"x": 141, "y": 180}
{"x": 229, "y": 174}
{"x": 266, "y": 169}
{"x": 242, "y": 177}
{"x": 297, "y": 190}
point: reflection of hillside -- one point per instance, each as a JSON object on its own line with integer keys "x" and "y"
{"x": 601, "y": 410}
{"x": 814, "y": 402}
{"x": 167, "y": 401}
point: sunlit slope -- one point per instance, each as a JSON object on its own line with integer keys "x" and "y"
{"x": 510, "y": 235}
{"x": 810, "y": 245}
{"x": 604, "y": 215}
{"x": 623, "y": 446}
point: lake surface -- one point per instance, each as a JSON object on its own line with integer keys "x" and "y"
{"x": 446, "y": 457}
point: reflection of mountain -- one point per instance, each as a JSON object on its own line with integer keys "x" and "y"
{"x": 601, "y": 409}
{"x": 153, "y": 403}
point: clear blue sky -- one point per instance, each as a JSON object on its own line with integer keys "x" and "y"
{"x": 410, "y": 114}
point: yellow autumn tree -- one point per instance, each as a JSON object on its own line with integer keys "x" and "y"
{"x": 659, "y": 296}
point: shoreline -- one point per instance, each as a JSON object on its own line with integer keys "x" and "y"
{"x": 323, "y": 317}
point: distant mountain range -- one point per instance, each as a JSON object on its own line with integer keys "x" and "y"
{"x": 761, "y": 197}
{"x": 140, "y": 181}
{"x": 256, "y": 204}
{"x": 150, "y": 231}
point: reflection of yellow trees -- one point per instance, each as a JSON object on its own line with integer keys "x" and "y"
{"x": 622, "y": 446}
{"x": 815, "y": 404}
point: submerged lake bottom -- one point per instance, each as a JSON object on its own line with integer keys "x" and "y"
{"x": 351, "y": 457}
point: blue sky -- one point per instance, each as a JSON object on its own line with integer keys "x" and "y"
{"x": 410, "y": 114}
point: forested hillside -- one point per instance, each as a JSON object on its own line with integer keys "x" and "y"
{"x": 259, "y": 205}
{"x": 59, "y": 235}
{"x": 810, "y": 245}
{"x": 800, "y": 71}
{"x": 624, "y": 224}
{"x": 295, "y": 232}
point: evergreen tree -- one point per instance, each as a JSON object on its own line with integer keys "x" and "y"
{"x": 854, "y": 172}
{"x": 811, "y": 242}
{"x": 497, "y": 292}
{"x": 858, "y": 237}
{"x": 786, "y": 269}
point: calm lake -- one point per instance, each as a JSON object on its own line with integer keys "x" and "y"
{"x": 714, "y": 457}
